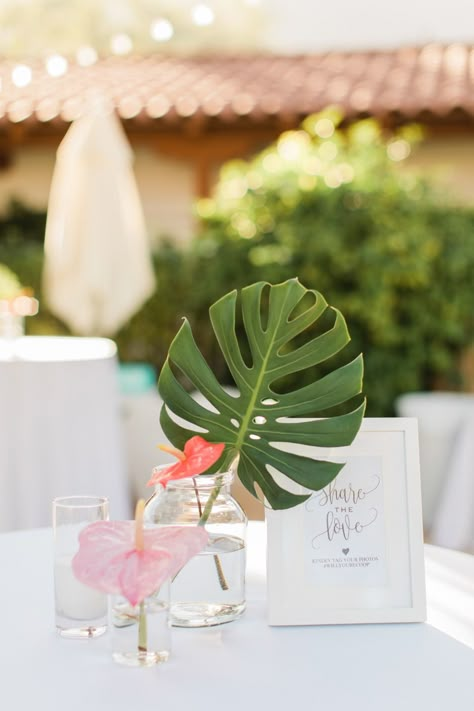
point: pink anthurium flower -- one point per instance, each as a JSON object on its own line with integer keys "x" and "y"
{"x": 123, "y": 558}
{"x": 198, "y": 456}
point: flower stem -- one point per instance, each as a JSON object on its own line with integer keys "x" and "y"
{"x": 196, "y": 491}
{"x": 140, "y": 545}
{"x": 142, "y": 629}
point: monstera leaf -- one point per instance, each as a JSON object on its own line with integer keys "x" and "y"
{"x": 254, "y": 424}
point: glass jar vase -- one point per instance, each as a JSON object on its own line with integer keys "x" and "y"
{"x": 210, "y": 588}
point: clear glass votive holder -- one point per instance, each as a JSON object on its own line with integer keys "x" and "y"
{"x": 81, "y": 612}
{"x": 140, "y": 635}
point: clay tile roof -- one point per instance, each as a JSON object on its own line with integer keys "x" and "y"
{"x": 407, "y": 82}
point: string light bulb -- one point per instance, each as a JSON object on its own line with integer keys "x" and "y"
{"x": 21, "y": 75}
{"x": 86, "y": 56}
{"x": 161, "y": 30}
{"x": 202, "y": 15}
{"x": 56, "y": 65}
{"x": 121, "y": 44}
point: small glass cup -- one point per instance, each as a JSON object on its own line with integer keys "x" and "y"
{"x": 81, "y": 612}
{"x": 140, "y": 635}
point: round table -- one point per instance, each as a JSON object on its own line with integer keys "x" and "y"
{"x": 60, "y": 427}
{"x": 245, "y": 664}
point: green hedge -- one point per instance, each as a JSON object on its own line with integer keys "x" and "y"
{"x": 332, "y": 208}
{"x": 379, "y": 244}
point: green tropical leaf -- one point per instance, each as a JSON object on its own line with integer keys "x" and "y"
{"x": 253, "y": 423}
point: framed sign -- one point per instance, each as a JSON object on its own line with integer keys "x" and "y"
{"x": 353, "y": 552}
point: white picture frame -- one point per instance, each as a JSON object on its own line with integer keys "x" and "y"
{"x": 329, "y": 565}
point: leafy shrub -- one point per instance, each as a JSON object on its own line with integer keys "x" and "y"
{"x": 10, "y": 285}
{"x": 332, "y": 208}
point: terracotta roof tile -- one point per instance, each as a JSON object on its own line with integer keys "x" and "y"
{"x": 408, "y": 81}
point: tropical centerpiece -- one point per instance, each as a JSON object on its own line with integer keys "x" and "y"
{"x": 287, "y": 328}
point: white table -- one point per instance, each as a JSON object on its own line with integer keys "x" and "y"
{"x": 242, "y": 665}
{"x": 446, "y": 435}
{"x": 60, "y": 429}
{"x": 453, "y": 524}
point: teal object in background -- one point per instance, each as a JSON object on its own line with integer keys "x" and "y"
{"x": 136, "y": 378}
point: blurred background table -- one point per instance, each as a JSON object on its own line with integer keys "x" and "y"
{"x": 60, "y": 428}
{"x": 446, "y": 436}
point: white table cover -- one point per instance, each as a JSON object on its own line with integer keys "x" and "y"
{"x": 60, "y": 429}
{"x": 446, "y": 434}
{"x": 242, "y": 665}
{"x": 453, "y": 523}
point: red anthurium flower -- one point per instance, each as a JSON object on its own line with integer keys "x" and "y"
{"x": 198, "y": 456}
{"x": 123, "y": 558}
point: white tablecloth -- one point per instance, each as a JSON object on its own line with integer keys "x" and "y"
{"x": 446, "y": 434}
{"x": 59, "y": 427}
{"x": 453, "y": 524}
{"x": 242, "y": 665}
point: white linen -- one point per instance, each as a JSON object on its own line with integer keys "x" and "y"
{"x": 453, "y": 524}
{"x": 97, "y": 270}
{"x": 245, "y": 664}
{"x": 441, "y": 417}
{"x": 59, "y": 427}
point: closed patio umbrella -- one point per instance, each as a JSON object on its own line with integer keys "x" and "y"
{"x": 98, "y": 270}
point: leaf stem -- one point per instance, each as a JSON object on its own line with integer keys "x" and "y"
{"x": 210, "y": 503}
{"x": 204, "y": 515}
{"x": 229, "y": 464}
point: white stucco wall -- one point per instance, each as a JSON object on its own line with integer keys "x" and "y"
{"x": 319, "y": 25}
{"x": 449, "y": 161}
{"x": 166, "y": 187}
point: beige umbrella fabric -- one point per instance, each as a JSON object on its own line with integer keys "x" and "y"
{"x": 98, "y": 269}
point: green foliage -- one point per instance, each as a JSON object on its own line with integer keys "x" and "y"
{"x": 149, "y": 333}
{"x": 25, "y": 258}
{"x": 20, "y": 224}
{"x": 336, "y": 212}
{"x": 21, "y": 249}
{"x": 9, "y": 283}
{"x": 252, "y": 422}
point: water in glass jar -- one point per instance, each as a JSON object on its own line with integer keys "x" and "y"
{"x": 210, "y": 589}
